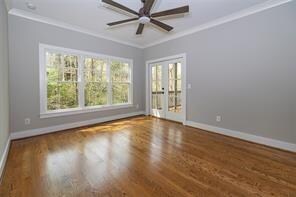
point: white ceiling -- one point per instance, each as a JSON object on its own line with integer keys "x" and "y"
{"x": 92, "y": 15}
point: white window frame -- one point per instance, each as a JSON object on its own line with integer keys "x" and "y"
{"x": 44, "y": 113}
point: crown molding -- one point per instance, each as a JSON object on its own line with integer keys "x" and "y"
{"x": 7, "y": 5}
{"x": 237, "y": 15}
{"x": 57, "y": 23}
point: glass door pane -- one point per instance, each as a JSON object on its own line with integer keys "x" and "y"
{"x": 156, "y": 87}
{"x": 174, "y": 88}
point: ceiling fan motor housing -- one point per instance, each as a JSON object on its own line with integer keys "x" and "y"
{"x": 144, "y": 12}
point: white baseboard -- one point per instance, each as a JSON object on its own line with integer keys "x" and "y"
{"x": 249, "y": 137}
{"x": 4, "y": 157}
{"x": 40, "y": 131}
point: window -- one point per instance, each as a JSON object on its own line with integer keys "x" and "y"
{"x": 120, "y": 76}
{"x": 62, "y": 83}
{"x": 74, "y": 81}
{"x": 96, "y": 84}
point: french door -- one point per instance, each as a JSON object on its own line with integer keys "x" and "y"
{"x": 166, "y": 92}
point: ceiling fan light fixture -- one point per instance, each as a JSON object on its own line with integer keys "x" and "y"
{"x": 144, "y": 20}
{"x": 145, "y": 16}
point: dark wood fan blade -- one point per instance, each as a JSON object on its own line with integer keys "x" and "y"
{"x": 161, "y": 25}
{"x": 122, "y": 7}
{"x": 179, "y": 10}
{"x": 140, "y": 29}
{"x": 123, "y": 21}
{"x": 148, "y": 5}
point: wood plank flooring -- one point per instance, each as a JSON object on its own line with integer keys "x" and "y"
{"x": 145, "y": 156}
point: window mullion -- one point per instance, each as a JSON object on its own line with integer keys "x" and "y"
{"x": 131, "y": 84}
{"x": 81, "y": 82}
{"x": 109, "y": 85}
{"x": 44, "y": 81}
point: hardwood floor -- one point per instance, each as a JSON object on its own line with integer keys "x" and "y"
{"x": 144, "y": 156}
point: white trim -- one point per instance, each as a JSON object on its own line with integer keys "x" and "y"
{"x": 7, "y": 5}
{"x": 81, "y": 83}
{"x": 75, "y": 111}
{"x": 42, "y": 77}
{"x": 245, "y": 136}
{"x": 43, "y": 48}
{"x": 3, "y": 159}
{"x": 147, "y": 110}
{"x": 57, "y": 23}
{"x": 178, "y": 56}
{"x": 131, "y": 75}
{"x": 40, "y": 131}
{"x": 182, "y": 56}
{"x": 237, "y": 15}
{"x": 84, "y": 53}
{"x": 184, "y": 87}
{"x": 109, "y": 85}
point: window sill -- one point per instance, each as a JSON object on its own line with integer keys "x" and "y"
{"x": 68, "y": 112}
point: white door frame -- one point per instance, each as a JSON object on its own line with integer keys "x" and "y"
{"x": 184, "y": 82}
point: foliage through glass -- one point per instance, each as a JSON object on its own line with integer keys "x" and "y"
{"x": 120, "y": 76}
{"x": 95, "y": 78}
{"x": 64, "y": 84}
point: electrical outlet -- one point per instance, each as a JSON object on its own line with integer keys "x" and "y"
{"x": 218, "y": 118}
{"x": 189, "y": 85}
{"x": 137, "y": 106}
{"x": 27, "y": 121}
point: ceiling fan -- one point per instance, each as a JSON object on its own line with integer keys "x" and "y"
{"x": 144, "y": 16}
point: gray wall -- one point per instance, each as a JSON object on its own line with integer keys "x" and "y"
{"x": 244, "y": 71}
{"x": 24, "y": 37}
{"x": 4, "y": 105}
